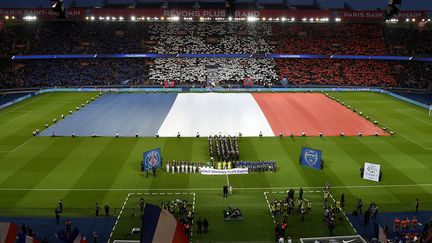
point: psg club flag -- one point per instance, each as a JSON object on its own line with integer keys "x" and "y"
{"x": 152, "y": 158}
{"x": 8, "y": 232}
{"x": 311, "y": 158}
{"x": 159, "y": 225}
{"x": 371, "y": 171}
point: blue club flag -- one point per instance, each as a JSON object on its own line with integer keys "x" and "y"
{"x": 311, "y": 158}
{"x": 152, "y": 158}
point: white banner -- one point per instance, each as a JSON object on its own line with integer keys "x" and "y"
{"x": 235, "y": 171}
{"x": 371, "y": 171}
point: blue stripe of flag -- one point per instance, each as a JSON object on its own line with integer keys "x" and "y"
{"x": 149, "y": 222}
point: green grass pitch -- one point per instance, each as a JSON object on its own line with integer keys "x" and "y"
{"x": 35, "y": 172}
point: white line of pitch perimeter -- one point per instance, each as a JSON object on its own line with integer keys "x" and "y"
{"x": 418, "y": 119}
{"x": 405, "y": 136}
{"x": 210, "y": 188}
{"x": 344, "y": 214}
{"x": 268, "y": 205}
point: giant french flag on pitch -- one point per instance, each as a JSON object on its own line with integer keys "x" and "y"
{"x": 8, "y": 232}
{"x": 159, "y": 225}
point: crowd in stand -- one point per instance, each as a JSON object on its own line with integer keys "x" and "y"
{"x": 337, "y": 72}
{"x": 97, "y": 37}
{"x": 413, "y": 74}
{"x": 229, "y": 70}
{"x": 72, "y": 72}
{"x": 413, "y": 41}
{"x": 73, "y": 38}
{"x": 329, "y": 39}
{"x": 201, "y": 37}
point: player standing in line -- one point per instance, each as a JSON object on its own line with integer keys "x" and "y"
{"x": 173, "y": 167}
{"x": 167, "y": 167}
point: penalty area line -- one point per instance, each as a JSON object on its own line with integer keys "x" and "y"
{"x": 19, "y": 146}
{"x": 344, "y": 214}
{"x": 22, "y": 144}
{"x": 118, "y": 217}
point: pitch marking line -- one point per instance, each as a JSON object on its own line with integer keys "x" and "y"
{"x": 405, "y": 136}
{"x": 19, "y": 146}
{"x": 344, "y": 214}
{"x": 28, "y": 103}
{"x": 268, "y": 205}
{"x": 118, "y": 217}
{"x": 12, "y": 119}
{"x": 147, "y": 193}
{"x": 418, "y": 119}
{"x": 207, "y": 189}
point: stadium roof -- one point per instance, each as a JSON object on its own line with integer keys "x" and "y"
{"x": 323, "y": 4}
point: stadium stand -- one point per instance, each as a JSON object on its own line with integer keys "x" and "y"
{"x": 73, "y": 37}
{"x": 82, "y": 72}
{"x": 230, "y": 71}
{"x": 409, "y": 41}
{"x": 200, "y": 37}
{"x": 333, "y": 38}
{"x": 167, "y": 37}
{"x": 336, "y": 72}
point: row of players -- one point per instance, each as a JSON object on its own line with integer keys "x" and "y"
{"x": 193, "y": 167}
{"x": 183, "y": 166}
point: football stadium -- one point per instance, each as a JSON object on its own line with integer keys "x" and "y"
{"x": 215, "y": 121}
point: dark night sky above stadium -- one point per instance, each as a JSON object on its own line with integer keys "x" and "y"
{"x": 356, "y": 4}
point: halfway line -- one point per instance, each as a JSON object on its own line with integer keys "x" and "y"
{"x": 208, "y": 189}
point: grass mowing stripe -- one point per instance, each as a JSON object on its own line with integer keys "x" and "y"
{"x": 418, "y": 119}
{"x": 405, "y": 136}
{"x": 22, "y": 144}
{"x": 120, "y": 174}
{"x": 20, "y": 105}
{"x": 13, "y": 119}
